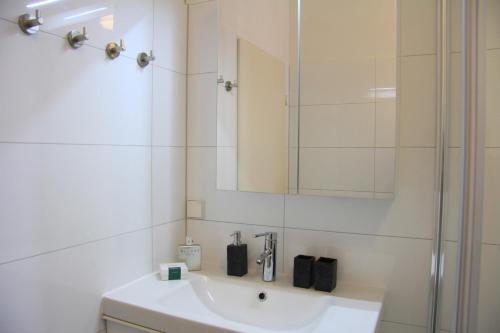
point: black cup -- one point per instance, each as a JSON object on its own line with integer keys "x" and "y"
{"x": 325, "y": 274}
{"x": 303, "y": 271}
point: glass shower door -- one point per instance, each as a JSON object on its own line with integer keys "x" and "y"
{"x": 488, "y": 293}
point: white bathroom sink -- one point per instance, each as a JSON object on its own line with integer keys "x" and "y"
{"x": 211, "y": 303}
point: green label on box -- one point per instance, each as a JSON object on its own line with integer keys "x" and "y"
{"x": 174, "y": 273}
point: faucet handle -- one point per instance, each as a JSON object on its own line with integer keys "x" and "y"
{"x": 271, "y": 235}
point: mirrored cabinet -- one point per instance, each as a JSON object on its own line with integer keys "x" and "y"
{"x": 303, "y": 106}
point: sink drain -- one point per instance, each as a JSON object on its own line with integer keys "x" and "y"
{"x": 262, "y": 296}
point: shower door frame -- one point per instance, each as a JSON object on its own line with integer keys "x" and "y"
{"x": 473, "y": 125}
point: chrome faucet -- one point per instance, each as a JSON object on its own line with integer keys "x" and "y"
{"x": 268, "y": 258}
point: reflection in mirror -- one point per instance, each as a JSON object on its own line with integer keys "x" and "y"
{"x": 347, "y": 113}
{"x": 252, "y": 115}
{"x": 307, "y": 98}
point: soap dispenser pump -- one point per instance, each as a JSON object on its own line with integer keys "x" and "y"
{"x": 237, "y": 264}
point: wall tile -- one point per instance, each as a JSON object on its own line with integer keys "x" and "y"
{"x": 169, "y": 184}
{"x": 410, "y": 213}
{"x": 338, "y": 169}
{"x": 385, "y": 124}
{"x": 62, "y": 291}
{"x": 491, "y": 209}
{"x": 105, "y": 21}
{"x": 418, "y": 26}
{"x": 166, "y": 240}
{"x": 230, "y": 206}
{"x": 214, "y": 253}
{"x": 493, "y": 25}
{"x": 226, "y": 114}
{"x": 492, "y": 98}
{"x": 202, "y": 39}
{"x": 201, "y": 110}
{"x": 54, "y": 196}
{"x": 386, "y": 84}
{"x": 386, "y": 26}
{"x": 417, "y": 112}
{"x": 348, "y": 125}
{"x": 489, "y": 293}
{"x": 170, "y": 34}
{"x": 227, "y": 159}
{"x": 399, "y": 265}
{"x": 169, "y": 108}
{"x": 342, "y": 81}
{"x": 321, "y": 20}
{"x": 385, "y": 164}
{"x": 70, "y": 105}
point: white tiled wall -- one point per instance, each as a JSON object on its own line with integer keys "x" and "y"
{"x": 384, "y": 243}
{"x": 92, "y": 158}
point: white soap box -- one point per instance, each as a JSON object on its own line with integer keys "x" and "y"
{"x": 168, "y": 271}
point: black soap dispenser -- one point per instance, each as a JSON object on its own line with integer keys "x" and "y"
{"x": 237, "y": 264}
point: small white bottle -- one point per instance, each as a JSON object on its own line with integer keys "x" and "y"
{"x": 190, "y": 254}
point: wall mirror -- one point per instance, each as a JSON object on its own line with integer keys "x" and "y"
{"x": 302, "y": 106}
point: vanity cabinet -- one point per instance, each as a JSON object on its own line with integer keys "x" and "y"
{"x": 118, "y": 326}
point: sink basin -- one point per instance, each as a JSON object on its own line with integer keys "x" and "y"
{"x": 241, "y": 302}
{"x": 207, "y": 302}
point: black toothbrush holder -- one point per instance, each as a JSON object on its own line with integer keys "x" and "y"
{"x": 325, "y": 274}
{"x": 303, "y": 271}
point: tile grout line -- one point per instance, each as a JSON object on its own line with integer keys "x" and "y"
{"x": 74, "y": 246}
{"x": 314, "y": 230}
{"x": 490, "y": 244}
{"x": 418, "y": 55}
{"x": 482, "y": 243}
{"x": 200, "y": 2}
{"x": 86, "y": 144}
{"x": 402, "y": 323}
{"x": 168, "y": 222}
{"x": 200, "y": 73}
{"x": 337, "y": 104}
